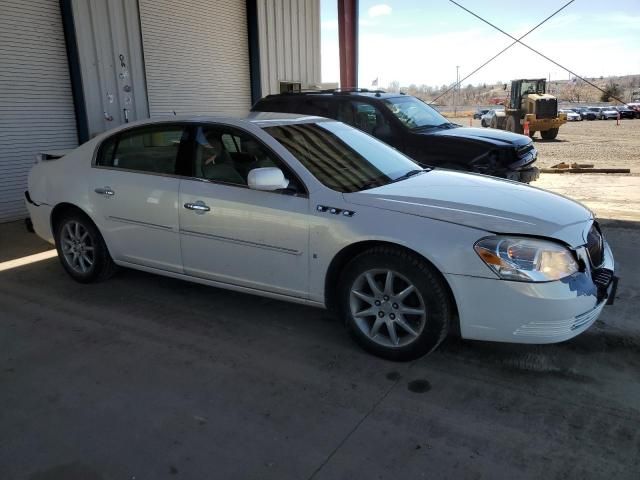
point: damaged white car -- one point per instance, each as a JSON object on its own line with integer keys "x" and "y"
{"x": 313, "y": 211}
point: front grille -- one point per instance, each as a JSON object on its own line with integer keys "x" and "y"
{"x": 602, "y": 277}
{"x": 546, "y": 108}
{"x": 523, "y": 150}
{"x": 595, "y": 246}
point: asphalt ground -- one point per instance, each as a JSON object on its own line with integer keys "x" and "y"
{"x": 146, "y": 377}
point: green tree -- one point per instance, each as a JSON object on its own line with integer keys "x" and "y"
{"x": 612, "y": 90}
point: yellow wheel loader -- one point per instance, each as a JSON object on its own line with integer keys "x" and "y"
{"x": 530, "y": 103}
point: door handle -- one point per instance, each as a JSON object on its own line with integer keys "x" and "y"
{"x": 105, "y": 191}
{"x": 198, "y": 207}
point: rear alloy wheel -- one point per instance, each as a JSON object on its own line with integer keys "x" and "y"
{"x": 393, "y": 303}
{"x": 550, "y": 134}
{"x": 82, "y": 250}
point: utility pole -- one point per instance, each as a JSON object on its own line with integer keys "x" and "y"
{"x": 456, "y": 91}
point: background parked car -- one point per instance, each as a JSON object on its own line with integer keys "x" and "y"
{"x": 494, "y": 118}
{"x": 417, "y": 130}
{"x": 571, "y": 115}
{"x": 635, "y": 106}
{"x": 597, "y": 111}
{"x": 625, "y": 112}
{"x": 585, "y": 113}
{"x": 477, "y": 115}
{"x": 608, "y": 113}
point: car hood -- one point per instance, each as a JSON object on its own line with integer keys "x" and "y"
{"x": 497, "y": 137}
{"x": 482, "y": 202}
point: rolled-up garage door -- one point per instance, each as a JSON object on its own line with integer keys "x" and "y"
{"x": 196, "y": 56}
{"x": 36, "y": 104}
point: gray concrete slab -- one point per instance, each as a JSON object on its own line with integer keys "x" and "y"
{"x": 147, "y": 377}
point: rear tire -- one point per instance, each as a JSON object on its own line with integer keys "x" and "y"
{"x": 82, "y": 250}
{"x": 550, "y": 134}
{"x": 493, "y": 123}
{"x": 394, "y": 304}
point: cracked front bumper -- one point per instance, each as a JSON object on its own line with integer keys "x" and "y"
{"x": 523, "y": 312}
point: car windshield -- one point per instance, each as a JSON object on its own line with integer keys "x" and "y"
{"x": 415, "y": 113}
{"x": 343, "y": 158}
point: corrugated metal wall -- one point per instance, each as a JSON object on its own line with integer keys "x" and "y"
{"x": 36, "y": 105}
{"x": 289, "y": 42}
{"x": 196, "y": 56}
{"x": 111, "y": 62}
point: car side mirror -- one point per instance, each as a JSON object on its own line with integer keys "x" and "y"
{"x": 267, "y": 179}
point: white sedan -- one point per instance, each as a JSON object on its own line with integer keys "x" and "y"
{"x": 313, "y": 211}
{"x": 571, "y": 115}
{"x": 609, "y": 113}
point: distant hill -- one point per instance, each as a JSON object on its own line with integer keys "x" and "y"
{"x": 574, "y": 90}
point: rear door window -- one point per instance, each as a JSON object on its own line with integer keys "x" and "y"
{"x": 369, "y": 119}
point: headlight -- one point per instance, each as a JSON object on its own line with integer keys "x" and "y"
{"x": 526, "y": 259}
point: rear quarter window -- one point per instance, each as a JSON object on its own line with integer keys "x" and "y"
{"x": 149, "y": 149}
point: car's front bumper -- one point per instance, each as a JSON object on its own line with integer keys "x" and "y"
{"x": 526, "y": 175}
{"x": 520, "y": 312}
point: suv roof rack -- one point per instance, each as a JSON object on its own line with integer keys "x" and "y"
{"x": 330, "y": 90}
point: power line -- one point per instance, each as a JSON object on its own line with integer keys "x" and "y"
{"x": 536, "y": 51}
{"x": 502, "y": 51}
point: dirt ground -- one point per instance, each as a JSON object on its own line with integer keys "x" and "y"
{"x": 148, "y": 377}
{"x": 583, "y": 142}
{"x": 603, "y": 144}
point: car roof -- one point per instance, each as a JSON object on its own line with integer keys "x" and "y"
{"x": 261, "y": 119}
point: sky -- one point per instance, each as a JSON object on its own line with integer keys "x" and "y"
{"x": 422, "y": 42}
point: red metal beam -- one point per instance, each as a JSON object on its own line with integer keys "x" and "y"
{"x": 348, "y": 42}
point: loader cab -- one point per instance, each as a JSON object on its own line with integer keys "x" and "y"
{"x": 520, "y": 88}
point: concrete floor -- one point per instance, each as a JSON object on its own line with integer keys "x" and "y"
{"x": 145, "y": 377}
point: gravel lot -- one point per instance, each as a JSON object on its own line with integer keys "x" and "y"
{"x": 584, "y": 142}
{"x": 603, "y": 144}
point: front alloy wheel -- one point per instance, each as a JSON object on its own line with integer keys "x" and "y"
{"x": 394, "y": 303}
{"x": 387, "y": 308}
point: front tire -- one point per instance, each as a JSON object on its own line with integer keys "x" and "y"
{"x": 82, "y": 250}
{"x": 394, "y": 304}
{"x": 513, "y": 124}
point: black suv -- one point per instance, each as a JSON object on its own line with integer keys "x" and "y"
{"x": 416, "y": 129}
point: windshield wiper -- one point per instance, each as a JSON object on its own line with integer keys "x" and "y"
{"x": 424, "y": 127}
{"x": 410, "y": 173}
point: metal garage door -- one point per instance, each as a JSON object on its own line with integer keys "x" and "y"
{"x": 196, "y": 56}
{"x": 36, "y": 106}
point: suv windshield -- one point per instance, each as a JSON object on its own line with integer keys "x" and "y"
{"x": 415, "y": 113}
{"x": 343, "y": 158}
